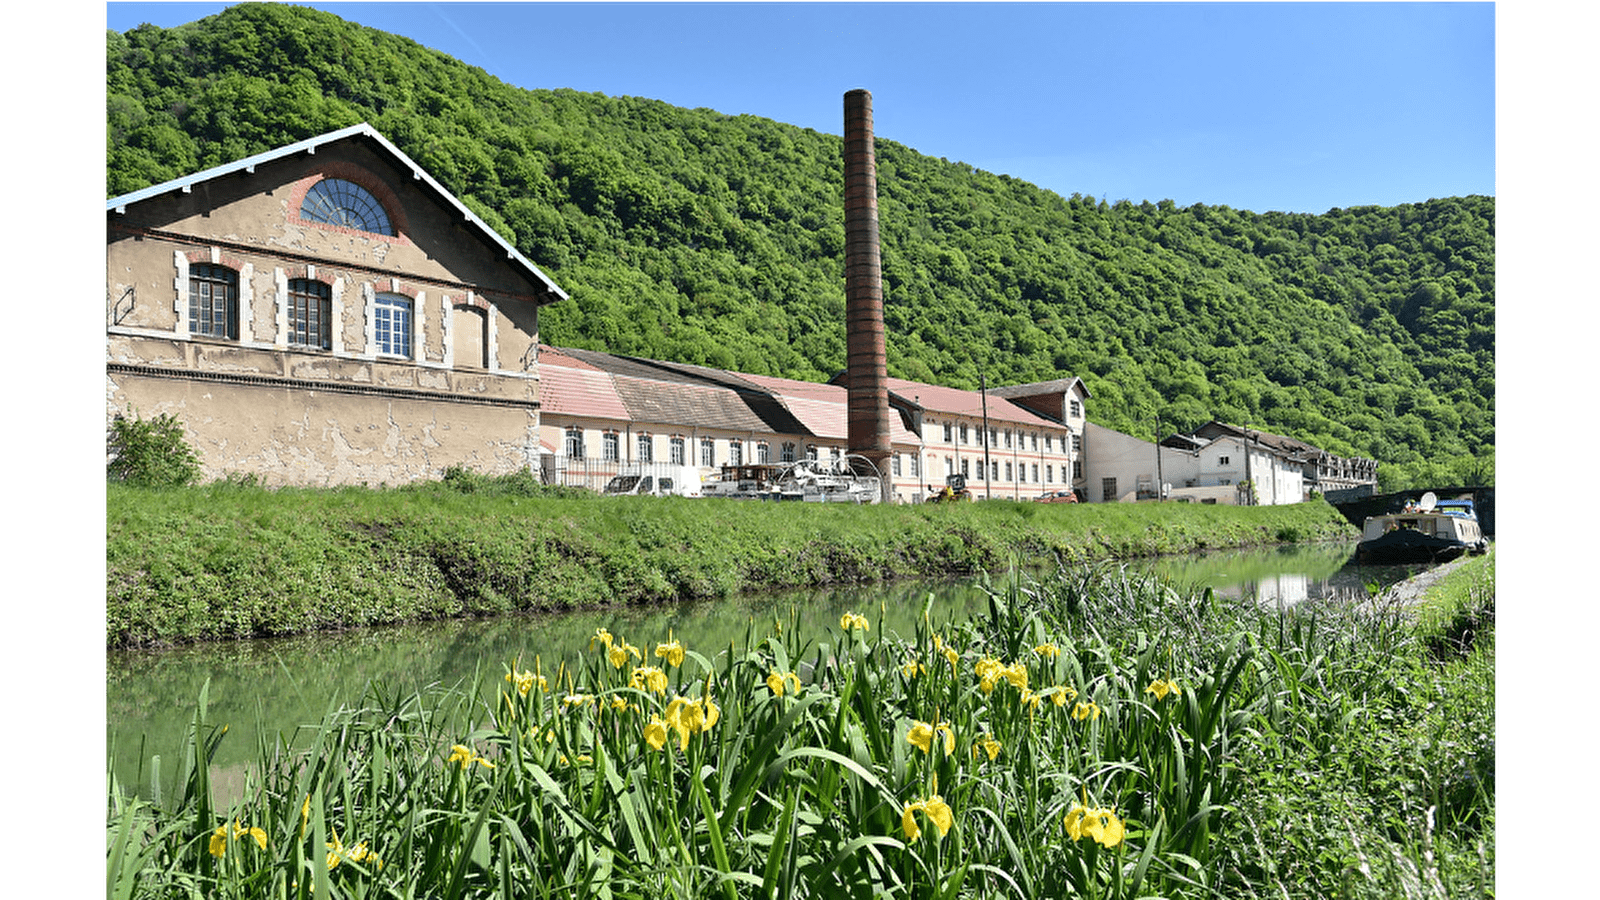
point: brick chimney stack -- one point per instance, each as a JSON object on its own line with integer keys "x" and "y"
{"x": 866, "y": 371}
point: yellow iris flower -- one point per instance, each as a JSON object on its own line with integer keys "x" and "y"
{"x": 989, "y": 670}
{"x": 986, "y": 744}
{"x": 1162, "y": 688}
{"x": 912, "y": 668}
{"x": 671, "y": 651}
{"x": 690, "y": 717}
{"x": 777, "y": 683}
{"x": 1017, "y": 674}
{"x": 649, "y": 678}
{"x": 655, "y": 734}
{"x": 1102, "y": 825}
{"x": 1049, "y": 651}
{"x": 220, "y": 838}
{"x": 1031, "y": 700}
{"x": 524, "y": 681}
{"x": 617, "y": 654}
{"x": 601, "y": 636}
{"x": 1062, "y": 694}
{"x": 922, "y": 734}
{"x": 850, "y": 621}
{"x": 462, "y": 754}
{"x": 1086, "y": 709}
{"x": 338, "y": 852}
{"x": 937, "y": 811}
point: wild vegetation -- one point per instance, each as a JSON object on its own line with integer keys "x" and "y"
{"x": 150, "y": 452}
{"x": 693, "y": 236}
{"x": 232, "y": 559}
{"x": 1089, "y": 734}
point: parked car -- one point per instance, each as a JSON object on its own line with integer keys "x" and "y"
{"x": 1056, "y": 497}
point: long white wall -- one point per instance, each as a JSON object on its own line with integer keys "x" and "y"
{"x": 1202, "y": 476}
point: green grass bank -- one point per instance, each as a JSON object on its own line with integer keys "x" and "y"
{"x": 227, "y": 561}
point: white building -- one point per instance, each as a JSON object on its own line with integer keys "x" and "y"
{"x": 1219, "y": 464}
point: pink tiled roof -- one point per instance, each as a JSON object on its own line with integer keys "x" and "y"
{"x": 955, "y": 401}
{"x": 571, "y": 387}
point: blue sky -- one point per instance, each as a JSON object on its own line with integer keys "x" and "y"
{"x": 1299, "y": 107}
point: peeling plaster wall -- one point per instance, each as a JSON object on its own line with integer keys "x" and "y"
{"x": 292, "y": 436}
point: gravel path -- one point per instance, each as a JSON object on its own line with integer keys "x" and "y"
{"x": 1411, "y": 591}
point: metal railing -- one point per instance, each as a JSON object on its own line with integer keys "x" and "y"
{"x": 594, "y": 474}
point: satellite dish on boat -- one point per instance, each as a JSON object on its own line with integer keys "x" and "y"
{"x": 1428, "y": 502}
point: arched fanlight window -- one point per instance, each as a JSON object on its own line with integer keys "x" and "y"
{"x": 346, "y": 204}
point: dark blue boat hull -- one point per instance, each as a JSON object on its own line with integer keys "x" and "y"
{"x": 1408, "y": 545}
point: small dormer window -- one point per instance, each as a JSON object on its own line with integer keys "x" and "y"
{"x": 335, "y": 201}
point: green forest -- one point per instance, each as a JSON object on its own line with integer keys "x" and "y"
{"x": 693, "y": 236}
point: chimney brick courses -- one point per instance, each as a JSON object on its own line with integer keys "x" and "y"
{"x": 866, "y": 372}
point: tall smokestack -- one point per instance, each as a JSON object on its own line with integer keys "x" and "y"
{"x": 866, "y": 371}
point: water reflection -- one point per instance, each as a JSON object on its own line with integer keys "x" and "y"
{"x": 269, "y": 688}
{"x": 1281, "y": 576}
{"x": 272, "y": 687}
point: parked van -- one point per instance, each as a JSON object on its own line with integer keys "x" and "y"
{"x": 658, "y": 481}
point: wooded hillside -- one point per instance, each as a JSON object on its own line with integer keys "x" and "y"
{"x": 693, "y": 236}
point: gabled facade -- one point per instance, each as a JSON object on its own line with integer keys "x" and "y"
{"x": 324, "y": 313}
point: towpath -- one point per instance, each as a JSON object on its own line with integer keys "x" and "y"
{"x": 1411, "y": 591}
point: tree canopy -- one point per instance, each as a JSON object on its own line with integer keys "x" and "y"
{"x": 697, "y": 237}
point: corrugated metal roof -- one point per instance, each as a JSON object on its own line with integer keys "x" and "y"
{"x": 1040, "y": 388}
{"x": 310, "y": 145}
{"x": 790, "y": 387}
{"x": 664, "y": 393}
{"x": 1285, "y": 445}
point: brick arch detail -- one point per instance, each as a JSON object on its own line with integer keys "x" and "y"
{"x": 204, "y": 257}
{"x": 472, "y": 299}
{"x": 351, "y": 172}
{"x": 396, "y": 286}
{"x": 305, "y": 271}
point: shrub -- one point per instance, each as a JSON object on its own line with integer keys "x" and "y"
{"x": 150, "y": 452}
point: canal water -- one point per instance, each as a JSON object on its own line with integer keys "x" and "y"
{"x": 274, "y": 687}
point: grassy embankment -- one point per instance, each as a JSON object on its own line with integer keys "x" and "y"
{"x": 227, "y": 561}
{"x": 1091, "y": 735}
